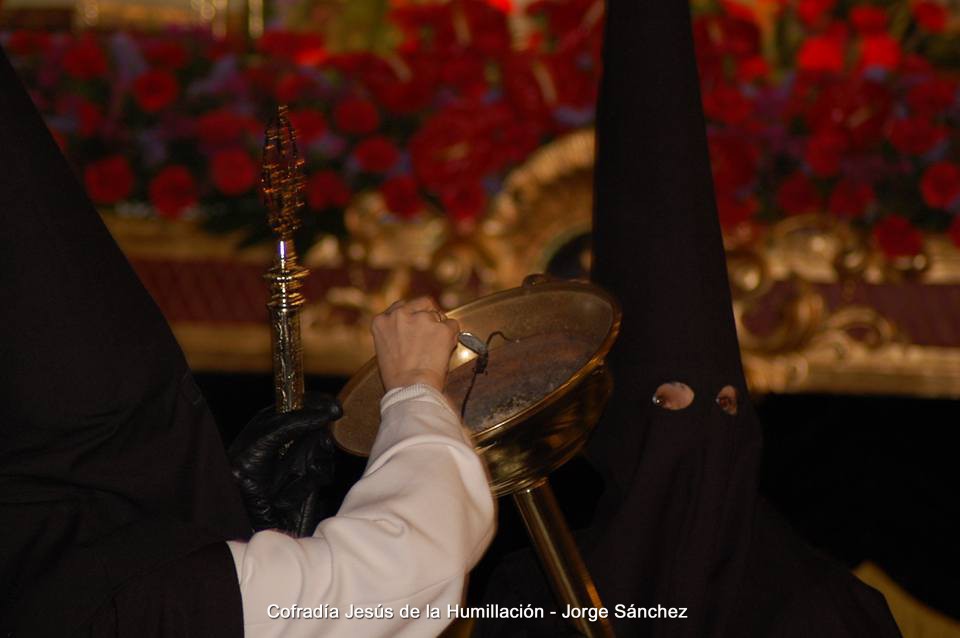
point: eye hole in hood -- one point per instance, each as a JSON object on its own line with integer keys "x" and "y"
{"x": 673, "y": 396}
{"x": 727, "y": 399}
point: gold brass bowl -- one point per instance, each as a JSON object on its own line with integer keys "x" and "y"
{"x": 543, "y": 392}
{"x": 541, "y": 436}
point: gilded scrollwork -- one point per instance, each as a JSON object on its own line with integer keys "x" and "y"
{"x": 545, "y": 203}
{"x": 843, "y": 346}
{"x": 798, "y": 286}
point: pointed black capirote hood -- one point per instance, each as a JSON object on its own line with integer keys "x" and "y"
{"x": 674, "y": 523}
{"x": 110, "y": 463}
{"x": 680, "y": 523}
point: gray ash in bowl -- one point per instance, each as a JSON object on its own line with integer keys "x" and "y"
{"x": 518, "y": 375}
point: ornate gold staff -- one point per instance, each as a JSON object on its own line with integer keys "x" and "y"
{"x": 282, "y": 185}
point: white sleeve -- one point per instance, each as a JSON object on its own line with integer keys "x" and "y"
{"x": 407, "y": 533}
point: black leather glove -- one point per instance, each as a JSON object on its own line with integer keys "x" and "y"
{"x": 284, "y": 465}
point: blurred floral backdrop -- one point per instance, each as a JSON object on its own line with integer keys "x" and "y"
{"x": 837, "y": 106}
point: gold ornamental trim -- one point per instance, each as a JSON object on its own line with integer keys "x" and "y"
{"x": 179, "y": 241}
{"x": 545, "y": 206}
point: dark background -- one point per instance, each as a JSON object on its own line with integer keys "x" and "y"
{"x": 862, "y": 478}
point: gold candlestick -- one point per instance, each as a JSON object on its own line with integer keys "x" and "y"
{"x": 282, "y": 185}
{"x": 553, "y": 325}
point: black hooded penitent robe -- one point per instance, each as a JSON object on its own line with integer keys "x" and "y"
{"x": 115, "y": 494}
{"x": 680, "y": 523}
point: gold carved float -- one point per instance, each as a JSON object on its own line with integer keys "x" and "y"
{"x": 818, "y": 308}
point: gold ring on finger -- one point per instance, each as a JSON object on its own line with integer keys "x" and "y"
{"x": 436, "y": 313}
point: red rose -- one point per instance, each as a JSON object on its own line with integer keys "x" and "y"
{"x": 736, "y": 9}
{"x": 327, "y": 189}
{"x": 733, "y": 162}
{"x": 738, "y": 37}
{"x": 897, "y": 237}
{"x": 376, "y": 154}
{"x": 514, "y": 141}
{"x": 300, "y": 47}
{"x": 466, "y": 72}
{"x": 728, "y": 33}
{"x": 850, "y": 198}
{"x": 355, "y": 62}
{"x": 821, "y": 54}
{"x": 233, "y": 172}
{"x": 464, "y": 202}
{"x": 292, "y": 87}
{"x": 260, "y": 79}
{"x": 563, "y": 16}
{"x": 752, "y": 68}
{"x": 172, "y": 190}
{"x": 24, "y": 42}
{"x": 486, "y": 27}
{"x": 403, "y": 97}
{"x": 165, "y": 54}
{"x": 880, "y": 51}
{"x": 216, "y": 48}
{"x": 415, "y": 20}
{"x": 931, "y": 16}
{"x": 824, "y": 151}
{"x": 221, "y": 127}
{"x": 467, "y": 140}
{"x": 89, "y": 118}
{"x": 858, "y": 107}
{"x": 726, "y": 104}
{"x": 155, "y": 90}
{"x": 915, "y": 135}
{"x": 733, "y": 212}
{"x": 797, "y": 194}
{"x": 108, "y": 180}
{"x": 940, "y": 185}
{"x": 868, "y": 19}
{"x": 954, "y": 231}
{"x": 813, "y": 11}
{"x": 402, "y": 196}
{"x": 932, "y": 96}
{"x": 85, "y": 59}
{"x": 914, "y": 63}
{"x": 310, "y": 124}
{"x": 527, "y": 87}
{"x": 575, "y": 86}
{"x": 276, "y": 43}
{"x": 403, "y": 90}
{"x": 356, "y": 116}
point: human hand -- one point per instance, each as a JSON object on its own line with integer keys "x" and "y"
{"x": 413, "y": 340}
{"x": 278, "y": 459}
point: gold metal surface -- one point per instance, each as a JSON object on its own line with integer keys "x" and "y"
{"x": 153, "y": 15}
{"x": 529, "y": 444}
{"x": 914, "y": 618}
{"x": 850, "y": 348}
{"x": 559, "y": 555}
{"x": 282, "y": 184}
{"x": 545, "y": 203}
{"x": 523, "y": 446}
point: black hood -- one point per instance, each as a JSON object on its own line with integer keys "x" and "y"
{"x": 675, "y": 521}
{"x": 110, "y": 463}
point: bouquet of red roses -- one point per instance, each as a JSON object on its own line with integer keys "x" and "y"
{"x": 171, "y": 124}
{"x": 850, "y": 108}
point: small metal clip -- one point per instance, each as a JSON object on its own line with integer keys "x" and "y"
{"x": 473, "y": 342}
{"x": 482, "y": 348}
